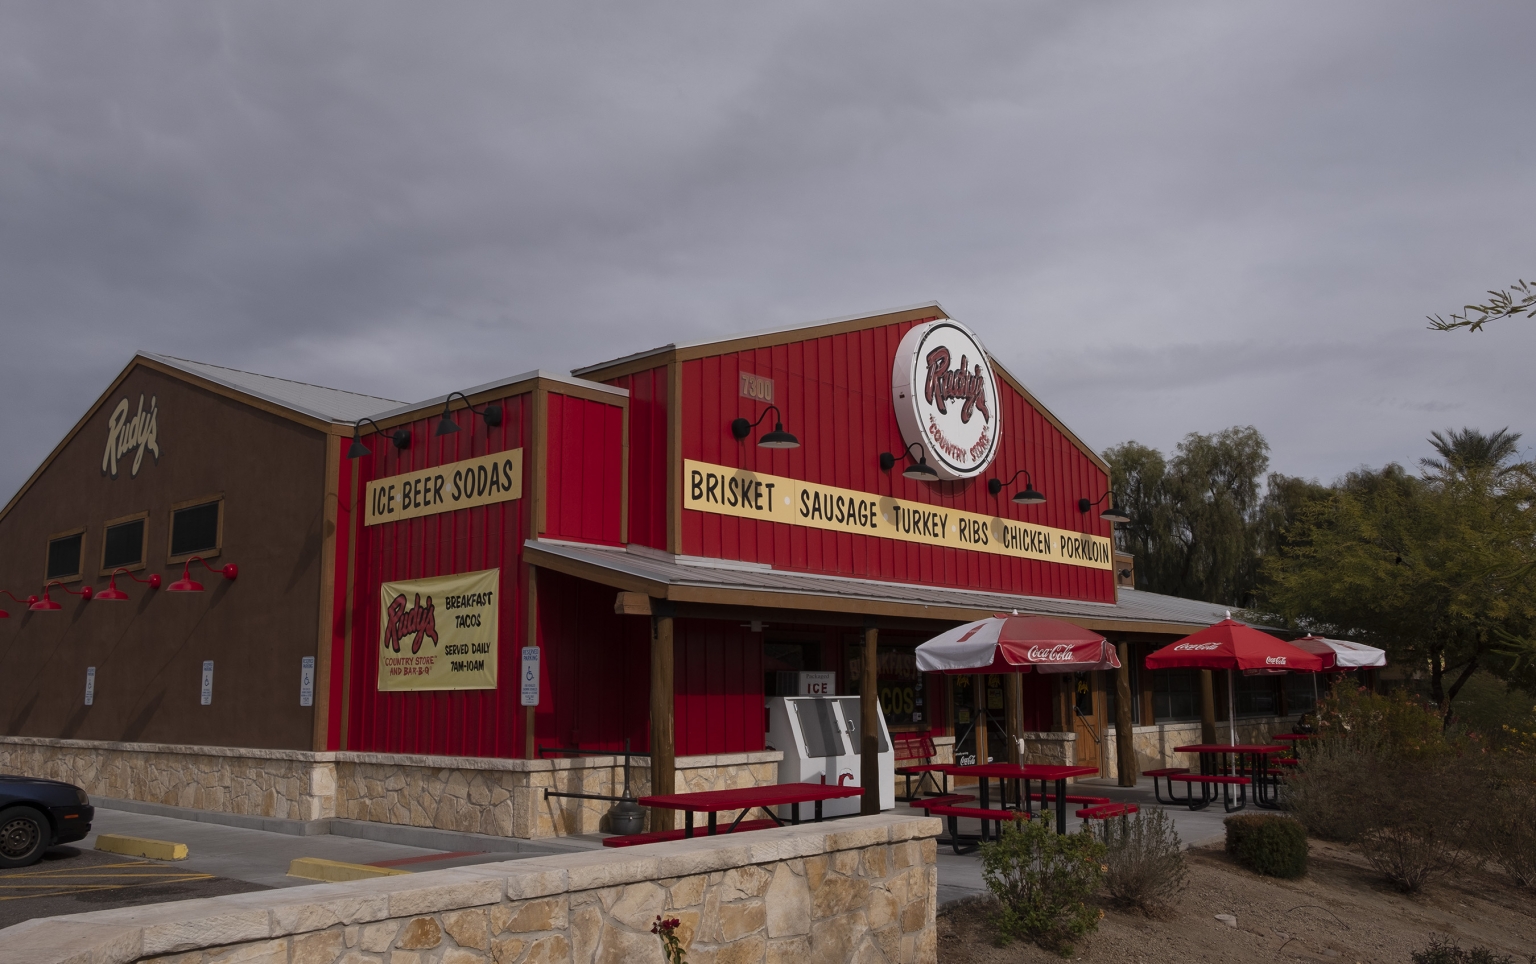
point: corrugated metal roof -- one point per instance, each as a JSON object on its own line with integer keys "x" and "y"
{"x": 556, "y": 377}
{"x": 331, "y": 404}
{"x": 1132, "y": 606}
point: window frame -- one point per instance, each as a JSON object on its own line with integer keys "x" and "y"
{"x": 143, "y": 548}
{"x": 47, "y": 551}
{"x": 170, "y": 529}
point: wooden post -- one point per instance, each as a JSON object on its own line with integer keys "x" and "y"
{"x": 869, "y": 723}
{"x": 1125, "y": 737}
{"x": 663, "y": 741}
{"x": 1207, "y": 707}
{"x": 1014, "y": 717}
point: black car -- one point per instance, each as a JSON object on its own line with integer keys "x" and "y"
{"x": 36, "y": 814}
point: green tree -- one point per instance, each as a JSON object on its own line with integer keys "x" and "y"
{"x": 1434, "y": 568}
{"x": 1517, "y": 300}
{"x": 1193, "y": 517}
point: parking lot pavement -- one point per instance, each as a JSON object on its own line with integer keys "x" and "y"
{"x": 262, "y": 857}
{"x": 71, "y": 880}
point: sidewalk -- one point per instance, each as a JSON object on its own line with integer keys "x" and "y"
{"x": 960, "y": 876}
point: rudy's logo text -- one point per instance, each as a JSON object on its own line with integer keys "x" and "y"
{"x": 943, "y": 385}
{"x": 137, "y": 434}
{"x": 420, "y": 621}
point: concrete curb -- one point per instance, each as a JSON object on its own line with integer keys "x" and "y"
{"x": 335, "y": 871}
{"x": 115, "y": 843}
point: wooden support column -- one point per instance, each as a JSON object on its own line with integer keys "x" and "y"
{"x": 663, "y": 739}
{"x": 1207, "y": 707}
{"x": 1013, "y": 720}
{"x": 869, "y": 723}
{"x": 1125, "y": 736}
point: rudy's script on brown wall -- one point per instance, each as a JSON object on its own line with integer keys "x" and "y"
{"x": 136, "y": 434}
{"x": 457, "y": 485}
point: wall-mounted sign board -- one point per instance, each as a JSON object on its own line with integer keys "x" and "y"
{"x": 457, "y": 485}
{"x": 439, "y": 633}
{"x": 772, "y": 498}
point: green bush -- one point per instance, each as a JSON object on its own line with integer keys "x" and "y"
{"x": 1044, "y": 880}
{"x": 1145, "y": 860}
{"x": 1443, "y": 950}
{"x": 1268, "y": 844}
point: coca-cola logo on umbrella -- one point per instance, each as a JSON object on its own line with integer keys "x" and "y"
{"x": 1196, "y": 647}
{"x": 945, "y": 398}
{"x": 1056, "y": 654}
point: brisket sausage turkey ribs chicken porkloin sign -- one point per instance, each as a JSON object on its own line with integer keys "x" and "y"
{"x": 774, "y": 498}
{"x": 439, "y": 633}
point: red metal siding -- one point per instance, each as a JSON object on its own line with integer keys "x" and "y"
{"x": 597, "y": 668}
{"x": 835, "y": 395}
{"x": 467, "y": 723}
{"x": 647, "y": 456}
{"x": 584, "y": 449}
{"x": 718, "y": 679}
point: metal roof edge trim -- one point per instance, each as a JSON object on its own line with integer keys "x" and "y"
{"x": 528, "y": 376}
{"x": 180, "y": 365}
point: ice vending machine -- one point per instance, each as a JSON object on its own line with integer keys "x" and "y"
{"x": 820, "y": 738}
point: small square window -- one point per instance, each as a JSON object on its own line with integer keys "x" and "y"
{"x": 64, "y": 556}
{"x": 123, "y": 545}
{"x": 195, "y": 529}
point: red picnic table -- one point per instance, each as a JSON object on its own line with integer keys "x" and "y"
{"x": 1029, "y": 771}
{"x": 747, "y": 799}
{"x": 1294, "y": 737}
{"x": 1212, "y": 761}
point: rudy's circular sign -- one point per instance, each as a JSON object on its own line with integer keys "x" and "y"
{"x": 946, "y": 398}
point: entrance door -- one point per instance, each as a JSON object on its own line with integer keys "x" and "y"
{"x": 1087, "y": 717}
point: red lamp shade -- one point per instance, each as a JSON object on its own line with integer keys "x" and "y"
{"x": 187, "y": 584}
{"x": 112, "y": 593}
{"x": 44, "y": 605}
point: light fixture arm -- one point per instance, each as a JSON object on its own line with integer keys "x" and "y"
{"x": 447, "y": 426}
{"x": 401, "y": 437}
{"x": 996, "y": 485}
{"x": 888, "y": 461}
{"x": 1113, "y": 514}
{"x": 741, "y": 427}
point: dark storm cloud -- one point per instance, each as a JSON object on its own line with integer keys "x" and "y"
{"x": 1165, "y": 218}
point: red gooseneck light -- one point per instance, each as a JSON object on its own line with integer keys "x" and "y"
{"x": 14, "y": 598}
{"x": 47, "y": 605}
{"x": 114, "y": 594}
{"x": 187, "y": 584}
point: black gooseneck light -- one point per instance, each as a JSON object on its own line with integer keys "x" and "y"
{"x": 1026, "y": 496}
{"x": 919, "y": 470}
{"x": 401, "y": 437}
{"x": 776, "y": 439}
{"x": 447, "y": 426}
{"x": 1112, "y": 514}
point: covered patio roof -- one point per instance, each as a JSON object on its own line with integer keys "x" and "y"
{"x": 693, "y": 579}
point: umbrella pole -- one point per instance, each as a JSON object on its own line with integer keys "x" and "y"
{"x": 1231, "y": 709}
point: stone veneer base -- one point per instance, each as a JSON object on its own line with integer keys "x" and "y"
{"x": 504, "y": 798}
{"x": 861, "y": 889}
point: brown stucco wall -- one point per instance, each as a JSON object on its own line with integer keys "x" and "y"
{"x": 148, "y": 651}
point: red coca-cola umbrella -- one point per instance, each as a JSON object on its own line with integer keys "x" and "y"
{"x": 1016, "y": 644}
{"x": 1231, "y": 645}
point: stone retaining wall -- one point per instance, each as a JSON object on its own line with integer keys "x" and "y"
{"x": 1154, "y": 744}
{"x": 472, "y": 794}
{"x": 862, "y": 889}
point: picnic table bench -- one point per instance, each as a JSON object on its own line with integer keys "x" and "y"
{"x": 746, "y": 799}
{"x": 919, "y": 746}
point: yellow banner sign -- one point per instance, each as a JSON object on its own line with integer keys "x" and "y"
{"x": 457, "y": 485}
{"x": 440, "y": 633}
{"x": 772, "y": 498}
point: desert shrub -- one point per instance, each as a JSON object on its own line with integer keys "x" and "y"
{"x": 1399, "y": 723}
{"x": 1146, "y": 861}
{"x": 1334, "y": 791}
{"x": 1505, "y": 826}
{"x": 1431, "y": 822}
{"x": 1268, "y": 844}
{"x": 1044, "y": 880}
{"x": 1443, "y": 950}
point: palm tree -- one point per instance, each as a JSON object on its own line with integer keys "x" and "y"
{"x": 1469, "y": 453}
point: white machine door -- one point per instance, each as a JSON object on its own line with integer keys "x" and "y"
{"x": 820, "y": 728}
{"x": 849, "y": 709}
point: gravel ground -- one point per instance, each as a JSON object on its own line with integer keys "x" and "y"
{"x": 1339, "y": 912}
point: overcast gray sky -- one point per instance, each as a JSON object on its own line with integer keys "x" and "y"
{"x": 1164, "y": 217}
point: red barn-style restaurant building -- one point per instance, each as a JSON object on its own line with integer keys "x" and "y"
{"x": 430, "y": 613}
